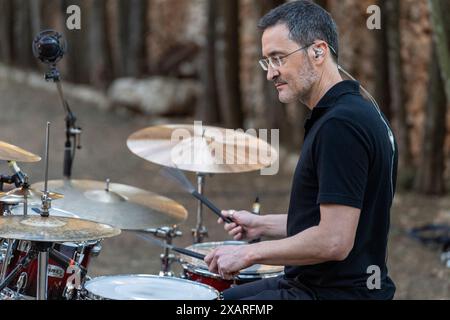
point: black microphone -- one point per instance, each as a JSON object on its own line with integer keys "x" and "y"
{"x": 19, "y": 178}
{"x": 49, "y": 46}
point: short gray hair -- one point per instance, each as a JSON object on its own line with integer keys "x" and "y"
{"x": 306, "y": 22}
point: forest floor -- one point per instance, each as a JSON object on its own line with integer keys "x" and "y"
{"x": 416, "y": 269}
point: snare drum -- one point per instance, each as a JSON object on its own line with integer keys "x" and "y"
{"x": 146, "y": 287}
{"x": 197, "y": 270}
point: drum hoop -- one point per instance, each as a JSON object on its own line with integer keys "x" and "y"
{"x": 90, "y": 295}
{"x": 242, "y": 276}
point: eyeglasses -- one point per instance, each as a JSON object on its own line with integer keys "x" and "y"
{"x": 276, "y": 62}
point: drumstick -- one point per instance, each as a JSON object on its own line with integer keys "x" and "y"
{"x": 179, "y": 177}
{"x": 182, "y": 251}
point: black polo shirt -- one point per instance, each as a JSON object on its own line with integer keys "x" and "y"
{"x": 347, "y": 159}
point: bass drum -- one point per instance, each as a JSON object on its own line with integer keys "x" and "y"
{"x": 146, "y": 287}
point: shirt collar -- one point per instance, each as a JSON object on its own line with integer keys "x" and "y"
{"x": 329, "y": 100}
{"x": 341, "y": 88}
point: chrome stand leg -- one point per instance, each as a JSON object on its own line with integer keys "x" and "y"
{"x": 200, "y": 232}
{"x": 42, "y": 281}
{"x": 6, "y": 260}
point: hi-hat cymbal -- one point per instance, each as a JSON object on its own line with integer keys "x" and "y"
{"x": 119, "y": 205}
{"x": 53, "y": 229}
{"x": 202, "y": 149}
{"x": 9, "y": 152}
{"x": 32, "y": 196}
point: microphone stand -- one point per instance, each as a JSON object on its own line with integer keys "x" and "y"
{"x": 72, "y": 131}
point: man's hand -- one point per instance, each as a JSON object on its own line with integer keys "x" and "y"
{"x": 246, "y": 225}
{"x": 227, "y": 261}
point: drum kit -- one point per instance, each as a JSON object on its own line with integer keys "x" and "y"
{"x": 47, "y": 238}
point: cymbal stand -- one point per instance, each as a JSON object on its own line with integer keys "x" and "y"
{"x": 73, "y": 132}
{"x": 200, "y": 232}
{"x": 43, "y": 248}
{"x": 167, "y": 258}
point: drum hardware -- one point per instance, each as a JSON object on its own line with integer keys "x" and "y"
{"x": 200, "y": 232}
{"x": 167, "y": 259}
{"x": 167, "y": 234}
{"x": 13, "y": 274}
{"x": 7, "y": 258}
{"x": 50, "y": 42}
{"x": 42, "y": 231}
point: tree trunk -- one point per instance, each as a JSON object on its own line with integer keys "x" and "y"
{"x": 440, "y": 8}
{"x": 382, "y": 65}
{"x": 77, "y": 56}
{"x": 35, "y": 16}
{"x": 208, "y": 108}
{"x": 430, "y": 179}
{"x": 227, "y": 62}
{"x": 5, "y": 31}
{"x": 99, "y": 50}
{"x": 22, "y": 34}
{"x": 135, "y": 61}
{"x": 122, "y": 41}
{"x": 392, "y": 9}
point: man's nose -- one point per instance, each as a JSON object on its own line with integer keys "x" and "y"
{"x": 272, "y": 73}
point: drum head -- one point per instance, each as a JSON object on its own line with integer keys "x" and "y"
{"x": 257, "y": 270}
{"x": 147, "y": 287}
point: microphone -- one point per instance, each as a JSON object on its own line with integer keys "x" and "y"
{"x": 19, "y": 178}
{"x": 49, "y": 46}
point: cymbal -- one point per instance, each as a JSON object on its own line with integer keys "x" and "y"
{"x": 34, "y": 210}
{"x": 119, "y": 205}
{"x": 9, "y": 152}
{"x": 33, "y": 196}
{"x": 202, "y": 149}
{"x": 53, "y": 229}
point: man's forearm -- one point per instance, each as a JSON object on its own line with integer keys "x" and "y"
{"x": 307, "y": 248}
{"x": 274, "y": 226}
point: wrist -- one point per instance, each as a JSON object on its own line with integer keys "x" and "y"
{"x": 259, "y": 227}
{"x": 252, "y": 255}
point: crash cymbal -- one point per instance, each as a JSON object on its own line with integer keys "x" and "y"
{"x": 202, "y": 149}
{"x": 32, "y": 196}
{"x": 53, "y": 229}
{"x": 119, "y": 205}
{"x": 9, "y": 152}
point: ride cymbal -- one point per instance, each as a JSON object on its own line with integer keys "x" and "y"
{"x": 119, "y": 205}
{"x": 202, "y": 149}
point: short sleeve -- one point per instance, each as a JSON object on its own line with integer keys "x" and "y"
{"x": 342, "y": 161}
